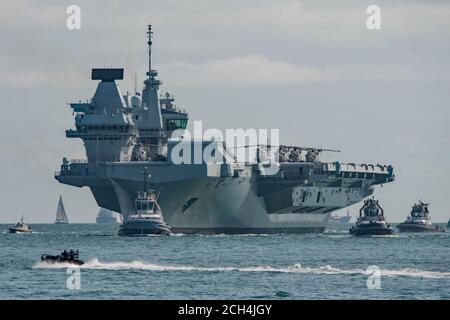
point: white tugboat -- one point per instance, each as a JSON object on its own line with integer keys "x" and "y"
{"x": 20, "y": 227}
{"x": 147, "y": 218}
{"x": 419, "y": 220}
{"x": 371, "y": 220}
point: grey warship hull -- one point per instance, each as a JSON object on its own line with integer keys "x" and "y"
{"x": 222, "y": 199}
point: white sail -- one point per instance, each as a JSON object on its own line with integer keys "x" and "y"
{"x": 61, "y": 216}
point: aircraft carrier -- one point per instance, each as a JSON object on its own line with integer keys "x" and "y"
{"x": 126, "y": 135}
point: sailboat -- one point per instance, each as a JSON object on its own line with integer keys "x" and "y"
{"x": 61, "y": 216}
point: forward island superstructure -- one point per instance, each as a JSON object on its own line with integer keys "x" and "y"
{"x": 125, "y": 136}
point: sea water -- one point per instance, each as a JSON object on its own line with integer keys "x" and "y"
{"x": 332, "y": 265}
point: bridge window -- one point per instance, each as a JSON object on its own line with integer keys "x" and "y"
{"x": 142, "y": 205}
{"x": 173, "y": 124}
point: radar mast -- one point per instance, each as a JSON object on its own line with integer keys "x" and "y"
{"x": 150, "y": 36}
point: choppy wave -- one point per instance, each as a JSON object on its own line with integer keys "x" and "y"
{"x": 296, "y": 268}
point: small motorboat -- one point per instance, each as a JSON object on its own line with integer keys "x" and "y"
{"x": 64, "y": 257}
{"x": 371, "y": 220}
{"x": 20, "y": 227}
{"x": 419, "y": 220}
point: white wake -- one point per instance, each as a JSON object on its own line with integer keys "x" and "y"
{"x": 296, "y": 268}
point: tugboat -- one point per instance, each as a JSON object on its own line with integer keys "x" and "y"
{"x": 20, "y": 227}
{"x": 419, "y": 220}
{"x": 371, "y": 220}
{"x": 147, "y": 218}
{"x": 65, "y": 257}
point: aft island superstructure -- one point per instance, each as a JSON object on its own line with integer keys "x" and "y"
{"x": 125, "y": 136}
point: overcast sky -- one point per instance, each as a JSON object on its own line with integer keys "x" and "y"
{"x": 310, "y": 68}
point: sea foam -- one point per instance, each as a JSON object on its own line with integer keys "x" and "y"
{"x": 296, "y": 268}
